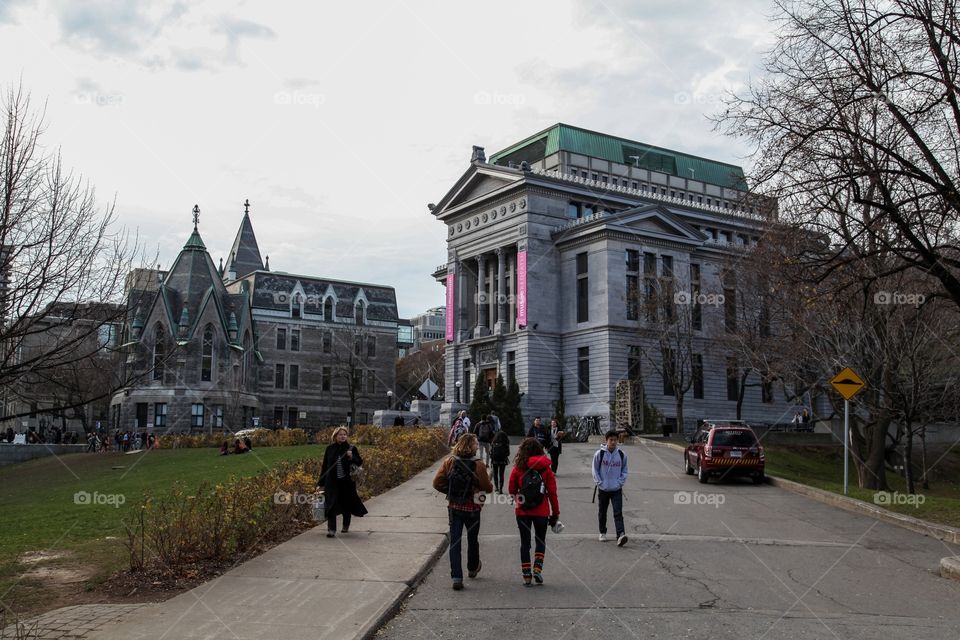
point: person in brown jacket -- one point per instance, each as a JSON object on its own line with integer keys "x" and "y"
{"x": 465, "y": 482}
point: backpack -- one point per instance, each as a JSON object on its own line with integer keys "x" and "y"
{"x": 532, "y": 489}
{"x": 460, "y": 480}
{"x": 500, "y": 451}
{"x": 457, "y": 430}
{"x": 484, "y": 431}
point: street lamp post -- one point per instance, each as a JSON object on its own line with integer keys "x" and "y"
{"x": 389, "y": 400}
{"x": 458, "y": 391}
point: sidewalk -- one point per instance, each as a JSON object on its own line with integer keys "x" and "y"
{"x": 311, "y": 586}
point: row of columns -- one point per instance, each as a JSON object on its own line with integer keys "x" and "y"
{"x": 495, "y": 301}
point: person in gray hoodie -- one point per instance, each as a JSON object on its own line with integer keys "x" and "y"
{"x": 610, "y": 474}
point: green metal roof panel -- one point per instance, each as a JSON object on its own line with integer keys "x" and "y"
{"x": 599, "y": 145}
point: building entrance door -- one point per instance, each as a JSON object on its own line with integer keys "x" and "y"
{"x": 490, "y": 377}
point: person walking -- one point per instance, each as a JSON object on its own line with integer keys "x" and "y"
{"x": 610, "y": 474}
{"x": 499, "y": 458}
{"x": 495, "y": 421}
{"x": 339, "y": 488}
{"x": 457, "y": 429}
{"x": 541, "y": 434}
{"x": 484, "y": 433}
{"x": 464, "y": 480}
{"x": 556, "y": 447}
{"x": 534, "y": 490}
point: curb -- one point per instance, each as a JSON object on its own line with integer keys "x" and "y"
{"x": 938, "y": 531}
{"x": 950, "y": 568}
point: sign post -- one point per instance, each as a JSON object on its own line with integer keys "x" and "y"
{"x": 848, "y": 384}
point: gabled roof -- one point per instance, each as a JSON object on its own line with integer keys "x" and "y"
{"x": 479, "y": 180}
{"x": 563, "y": 137}
{"x": 649, "y": 220}
{"x": 245, "y": 254}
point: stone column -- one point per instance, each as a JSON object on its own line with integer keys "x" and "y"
{"x": 512, "y": 307}
{"x": 460, "y": 302}
{"x": 502, "y": 325}
{"x": 481, "y": 329}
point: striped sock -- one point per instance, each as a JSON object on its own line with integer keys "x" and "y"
{"x": 525, "y": 569}
{"x": 538, "y": 562}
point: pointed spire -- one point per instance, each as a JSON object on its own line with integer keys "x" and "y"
{"x": 194, "y": 241}
{"x": 245, "y": 253}
{"x": 220, "y": 268}
{"x": 267, "y": 267}
{"x": 246, "y": 207}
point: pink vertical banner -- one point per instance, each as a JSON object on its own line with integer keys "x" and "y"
{"x": 521, "y": 289}
{"x": 450, "y": 306}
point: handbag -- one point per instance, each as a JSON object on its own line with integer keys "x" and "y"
{"x": 357, "y": 474}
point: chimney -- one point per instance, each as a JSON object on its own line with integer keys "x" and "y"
{"x": 478, "y": 155}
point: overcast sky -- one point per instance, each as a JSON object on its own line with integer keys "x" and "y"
{"x": 340, "y": 121}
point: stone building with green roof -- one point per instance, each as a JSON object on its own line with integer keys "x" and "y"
{"x": 565, "y": 252}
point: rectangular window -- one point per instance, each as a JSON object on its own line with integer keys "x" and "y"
{"x": 697, "y": 373}
{"x": 573, "y": 210}
{"x": 586, "y": 211}
{"x": 371, "y": 381}
{"x": 583, "y": 289}
{"x": 294, "y": 376}
{"x": 357, "y": 344}
{"x": 633, "y": 260}
{"x": 278, "y": 378}
{"x": 295, "y": 340}
{"x": 650, "y": 298}
{"x": 325, "y": 383}
{"x": 666, "y": 265}
{"x": 593, "y": 176}
{"x": 634, "y": 186}
{"x": 141, "y": 420}
{"x": 633, "y": 363}
{"x": 160, "y": 414}
{"x": 217, "y": 416}
{"x": 281, "y": 339}
{"x": 466, "y": 381}
{"x": 327, "y": 341}
{"x": 583, "y": 370}
{"x": 278, "y": 417}
{"x": 733, "y": 381}
{"x": 669, "y": 372}
{"x": 650, "y": 263}
{"x": 292, "y": 415}
{"x": 633, "y": 297}
{"x": 696, "y": 313}
{"x": 511, "y": 367}
{"x": 371, "y": 346}
{"x": 196, "y": 416}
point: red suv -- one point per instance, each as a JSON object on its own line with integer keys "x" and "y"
{"x": 724, "y": 449}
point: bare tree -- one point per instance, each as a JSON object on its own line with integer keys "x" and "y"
{"x": 58, "y": 252}
{"x": 856, "y": 127}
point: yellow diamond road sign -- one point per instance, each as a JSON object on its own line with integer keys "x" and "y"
{"x": 848, "y": 383}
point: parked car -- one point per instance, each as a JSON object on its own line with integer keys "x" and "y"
{"x": 724, "y": 449}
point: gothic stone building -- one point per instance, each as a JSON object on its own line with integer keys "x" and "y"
{"x": 214, "y": 348}
{"x": 547, "y": 243}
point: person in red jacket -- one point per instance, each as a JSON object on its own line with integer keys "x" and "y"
{"x": 534, "y": 490}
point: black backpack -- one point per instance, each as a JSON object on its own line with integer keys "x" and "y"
{"x": 484, "y": 431}
{"x": 532, "y": 489}
{"x": 460, "y": 480}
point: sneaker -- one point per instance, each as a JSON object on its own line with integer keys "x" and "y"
{"x": 622, "y": 540}
{"x": 603, "y": 537}
{"x": 345, "y": 530}
{"x": 458, "y": 585}
{"x": 473, "y": 574}
{"x": 538, "y": 578}
{"x": 331, "y": 534}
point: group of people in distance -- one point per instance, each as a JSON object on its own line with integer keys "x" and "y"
{"x": 532, "y": 488}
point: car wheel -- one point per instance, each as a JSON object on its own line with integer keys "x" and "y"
{"x": 758, "y": 478}
{"x": 702, "y": 475}
{"x": 686, "y": 465}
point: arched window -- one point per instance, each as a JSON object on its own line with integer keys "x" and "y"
{"x": 359, "y": 312}
{"x": 159, "y": 351}
{"x": 206, "y": 358}
{"x": 328, "y": 309}
{"x": 296, "y": 308}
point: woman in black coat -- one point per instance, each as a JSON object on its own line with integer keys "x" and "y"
{"x": 339, "y": 490}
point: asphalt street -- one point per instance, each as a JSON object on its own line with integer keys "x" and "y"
{"x": 724, "y": 560}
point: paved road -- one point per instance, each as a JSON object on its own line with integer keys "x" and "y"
{"x": 763, "y": 564}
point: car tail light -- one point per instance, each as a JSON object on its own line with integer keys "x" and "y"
{"x": 708, "y": 451}
{"x": 753, "y": 451}
{"x": 761, "y": 452}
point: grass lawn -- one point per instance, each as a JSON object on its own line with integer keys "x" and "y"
{"x": 40, "y": 518}
{"x": 822, "y": 467}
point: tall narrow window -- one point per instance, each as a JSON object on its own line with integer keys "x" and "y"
{"x": 733, "y": 380}
{"x": 583, "y": 370}
{"x": 296, "y": 308}
{"x": 295, "y": 340}
{"x": 633, "y": 284}
{"x": 206, "y": 357}
{"x": 196, "y": 416}
{"x": 357, "y": 344}
{"x": 666, "y": 286}
{"x": 278, "y": 377}
{"x": 159, "y": 352}
{"x": 729, "y": 306}
{"x": 327, "y": 341}
{"x": 371, "y": 346}
{"x": 160, "y": 414}
{"x": 281, "y": 338}
{"x": 696, "y": 312}
{"x": 360, "y": 313}
{"x": 697, "y": 372}
{"x": 633, "y": 363}
{"x": 217, "y": 416}
{"x": 325, "y": 382}
{"x": 371, "y": 381}
{"x": 583, "y": 289}
{"x": 294, "y": 376}
{"x": 328, "y": 309}
{"x": 511, "y": 367}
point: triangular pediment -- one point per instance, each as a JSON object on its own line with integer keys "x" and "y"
{"x": 478, "y": 181}
{"x": 657, "y": 220}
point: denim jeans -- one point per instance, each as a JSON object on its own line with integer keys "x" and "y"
{"x": 458, "y": 521}
{"x": 616, "y": 497}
